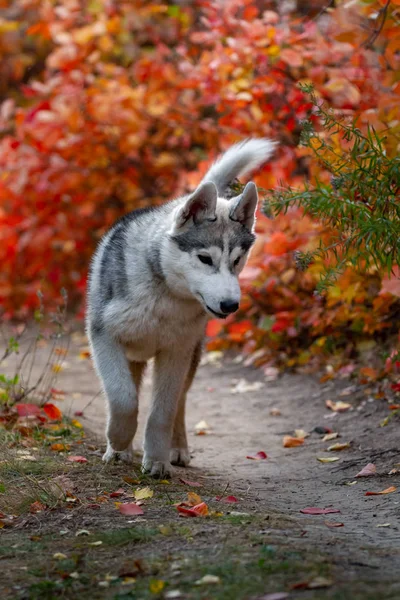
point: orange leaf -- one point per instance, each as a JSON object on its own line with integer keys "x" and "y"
{"x": 291, "y": 442}
{"x": 36, "y": 507}
{"x": 60, "y": 447}
{"x": 388, "y": 490}
{"x": 52, "y": 411}
{"x": 200, "y": 510}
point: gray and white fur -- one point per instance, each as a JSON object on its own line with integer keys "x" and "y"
{"x": 155, "y": 279}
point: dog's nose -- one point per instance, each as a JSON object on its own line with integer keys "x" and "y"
{"x": 229, "y": 306}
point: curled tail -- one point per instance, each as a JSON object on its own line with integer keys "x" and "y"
{"x": 239, "y": 160}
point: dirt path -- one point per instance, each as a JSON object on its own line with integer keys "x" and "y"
{"x": 367, "y": 546}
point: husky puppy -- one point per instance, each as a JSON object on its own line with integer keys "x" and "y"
{"x": 156, "y": 277}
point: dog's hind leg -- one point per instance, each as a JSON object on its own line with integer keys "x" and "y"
{"x": 180, "y": 454}
{"x": 171, "y": 368}
{"x": 122, "y": 395}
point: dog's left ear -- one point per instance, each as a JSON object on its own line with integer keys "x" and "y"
{"x": 200, "y": 206}
{"x": 244, "y": 206}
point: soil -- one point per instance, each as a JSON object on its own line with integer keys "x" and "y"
{"x": 365, "y": 551}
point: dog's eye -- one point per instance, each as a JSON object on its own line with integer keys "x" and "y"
{"x": 236, "y": 262}
{"x": 206, "y": 260}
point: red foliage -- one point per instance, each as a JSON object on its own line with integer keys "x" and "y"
{"x": 126, "y": 100}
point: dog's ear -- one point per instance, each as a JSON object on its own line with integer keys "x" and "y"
{"x": 200, "y": 206}
{"x": 244, "y": 206}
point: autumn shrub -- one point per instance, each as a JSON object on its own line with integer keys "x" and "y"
{"x": 128, "y": 104}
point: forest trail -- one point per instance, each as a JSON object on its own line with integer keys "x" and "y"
{"x": 367, "y": 546}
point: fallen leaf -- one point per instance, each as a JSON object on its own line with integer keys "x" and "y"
{"x": 333, "y": 524}
{"x": 191, "y": 483}
{"x": 78, "y": 459}
{"x": 200, "y": 510}
{"x": 330, "y": 436}
{"x": 36, "y": 507}
{"x": 292, "y": 442}
{"x": 227, "y": 499}
{"x": 208, "y": 579}
{"x": 130, "y": 509}
{"x": 259, "y": 456}
{"x": 319, "y": 429}
{"x": 76, "y": 423}
{"x": 60, "y": 447}
{"x": 383, "y": 525}
{"x": 339, "y": 447}
{"x": 201, "y": 428}
{"x": 27, "y": 410}
{"x": 143, "y": 493}
{"x": 338, "y": 406}
{"x": 388, "y": 490}
{"x": 156, "y": 586}
{"x": 275, "y": 412}
{"x": 313, "y": 510}
{"x": 317, "y": 582}
{"x": 301, "y": 434}
{"x": 193, "y": 499}
{"x": 117, "y": 493}
{"x": 243, "y": 386}
{"x": 328, "y": 459}
{"x": 84, "y": 354}
{"x": 59, "y": 556}
{"x": 367, "y": 471}
{"x": 98, "y": 543}
{"x": 82, "y": 532}
{"x": 52, "y": 411}
{"x": 130, "y": 480}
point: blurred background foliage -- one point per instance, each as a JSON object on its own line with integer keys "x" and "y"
{"x": 107, "y": 106}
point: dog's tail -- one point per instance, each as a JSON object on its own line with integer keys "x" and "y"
{"x": 239, "y": 160}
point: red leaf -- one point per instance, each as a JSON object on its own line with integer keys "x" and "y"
{"x": 78, "y": 413}
{"x": 200, "y": 510}
{"x": 27, "y": 410}
{"x": 191, "y": 483}
{"x": 313, "y": 510}
{"x": 117, "y": 493}
{"x": 78, "y": 459}
{"x": 52, "y": 411}
{"x": 259, "y": 456}
{"x": 227, "y": 499}
{"x": 130, "y": 508}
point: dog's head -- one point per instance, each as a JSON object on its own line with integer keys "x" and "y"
{"x": 208, "y": 246}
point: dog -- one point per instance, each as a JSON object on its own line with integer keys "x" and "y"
{"x": 156, "y": 277}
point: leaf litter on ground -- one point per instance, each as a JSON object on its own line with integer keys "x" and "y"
{"x": 314, "y": 510}
{"x": 388, "y": 490}
{"x": 338, "y": 406}
{"x": 130, "y": 509}
{"x": 292, "y": 442}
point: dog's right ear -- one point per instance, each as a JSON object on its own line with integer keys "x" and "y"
{"x": 200, "y": 206}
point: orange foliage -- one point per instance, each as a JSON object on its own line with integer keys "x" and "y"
{"x": 126, "y": 99}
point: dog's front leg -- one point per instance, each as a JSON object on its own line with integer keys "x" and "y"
{"x": 170, "y": 371}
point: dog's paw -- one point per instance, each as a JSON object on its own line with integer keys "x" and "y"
{"x": 157, "y": 468}
{"x": 125, "y": 456}
{"x": 180, "y": 457}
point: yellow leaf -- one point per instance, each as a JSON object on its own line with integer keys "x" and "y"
{"x": 339, "y": 447}
{"x": 330, "y": 436}
{"x": 194, "y": 498}
{"x": 57, "y": 368}
{"x": 301, "y": 434}
{"x": 328, "y": 459}
{"x": 76, "y": 423}
{"x": 59, "y": 556}
{"x": 156, "y": 586}
{"x": 143, "y": 493}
